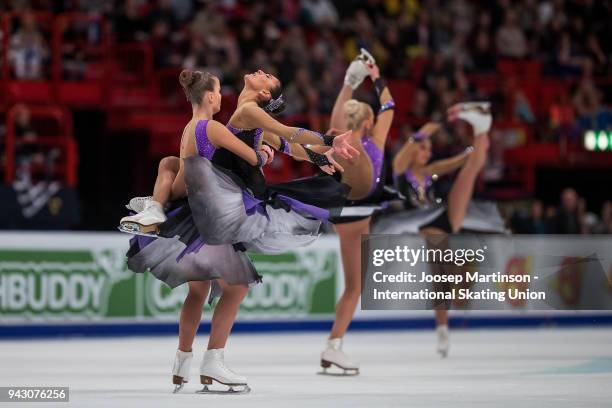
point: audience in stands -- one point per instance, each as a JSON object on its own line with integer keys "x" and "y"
{"x": 571, "y": 217}
{"x": 28, "y": 50}
{"x": 450, "y": 39}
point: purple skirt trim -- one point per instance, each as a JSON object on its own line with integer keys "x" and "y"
{"x": 252, "y": 204}
{"x": 194, "y": 246}
{"x": 141, "y": 241}
{"x": 316, "y": 212}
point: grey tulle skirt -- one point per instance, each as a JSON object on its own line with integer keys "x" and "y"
{"x": 227, "y": 213}
{"x": 481, "y": 216}
{"x": 171, "y": 261}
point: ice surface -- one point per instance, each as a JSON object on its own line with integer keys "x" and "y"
{"x": 486, "y": 368}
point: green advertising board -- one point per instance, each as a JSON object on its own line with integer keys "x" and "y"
{"x": 87, "y": 280}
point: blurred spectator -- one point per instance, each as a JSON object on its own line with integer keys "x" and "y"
{"x": 483, "y": 59}
{"x": 605, "y": 223}
{"x": 568, "y": 61}
{"x": 27, "y": 152}
{"x": 129, "y": 23}
{"x": 567, "y": 219}
{"x": 587, "y": 102}
{"x": 300, "y": 94}
{"x": 28, "y": 50}
{"x": 164, "y": 49}
{"x": 319, "y": 12}
{"x": 510, "y": 39}
{"x": 530, "y": 222}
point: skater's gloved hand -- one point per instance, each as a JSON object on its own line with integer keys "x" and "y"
{"x": 355, "y": 74}
{"x": 342, "y": 147}
{"x": 269, "y": 152}
{"x": 333, "y": 164}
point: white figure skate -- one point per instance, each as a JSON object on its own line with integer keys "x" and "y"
{"x": 477, "y": 114}
{"x": 145, "y": 222}
{"x": 180, "y": 369}
{"x": 443, "y": 340}
{"x": 138, "y": 204}
{"x": 366, "y": 57}
{"x": 334, "y": 356}
{"x": 213, "y": 369}
{"x": 355, "y": 74}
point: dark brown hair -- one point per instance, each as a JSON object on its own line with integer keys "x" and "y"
{"x": 276, "y": 104}
{"x": 195, "y": 83}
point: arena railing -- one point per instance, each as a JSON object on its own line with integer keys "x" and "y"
{"x": 91, "y": 89}
{"x": 63, "y": 140}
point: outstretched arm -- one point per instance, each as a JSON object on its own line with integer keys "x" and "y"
{"x": 387, "y": 105}
{"x": 259, "y": 118}
{"x": 403, "y": 157}
{"x": 338, "y": 120}
{"x": 319, "y": 155}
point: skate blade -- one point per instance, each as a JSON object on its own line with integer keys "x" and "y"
{"x": 133, "y": 229}
{"x": 480, "y": 107}
{"x": 346, "y": 372}
{"x": 366, "y": 57}
{"x": 178, "y": 382}
{"x": 232, "y": 390}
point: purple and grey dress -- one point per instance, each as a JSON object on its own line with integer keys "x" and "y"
{"x": 229, "y": 210}
{"x": 422, "y": 209}
{"x": 356, "y": 210}
{"x": 231, "y": 203}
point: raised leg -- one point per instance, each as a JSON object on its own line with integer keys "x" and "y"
{"x": 461, "y": 193}
{"x": 166, "y": 173}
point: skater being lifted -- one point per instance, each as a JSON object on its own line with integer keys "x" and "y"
{"x": 252, "y": 122}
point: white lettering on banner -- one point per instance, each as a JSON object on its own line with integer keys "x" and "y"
{"x": 74, "y": 300}
{"x": 283, "y": 295}
{"x": 57, "y": 292}
{"x": 37, "y": 304}
{"x": 54, "y": 292}
{"x": 283, "y": 291}
{"x": 17, "y": 289}
{"x": 96, "y": 284}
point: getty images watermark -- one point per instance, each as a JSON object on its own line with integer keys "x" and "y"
{"x": 483, "y": 272}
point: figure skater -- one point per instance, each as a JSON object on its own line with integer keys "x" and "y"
{"x": 365, "y": 177}
{"x": 427, "y": 214}
{"x": 175, "y": 262}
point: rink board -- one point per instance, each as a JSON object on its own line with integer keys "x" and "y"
{"x": 78, "y": 284}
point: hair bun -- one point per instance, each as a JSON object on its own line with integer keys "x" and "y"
{"x": 352, "y": 107}
{"x": 355, "y": 113}
{"x": 189, "y": 77}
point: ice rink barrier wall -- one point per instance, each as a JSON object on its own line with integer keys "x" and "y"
{"x": 64, "y": 283}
